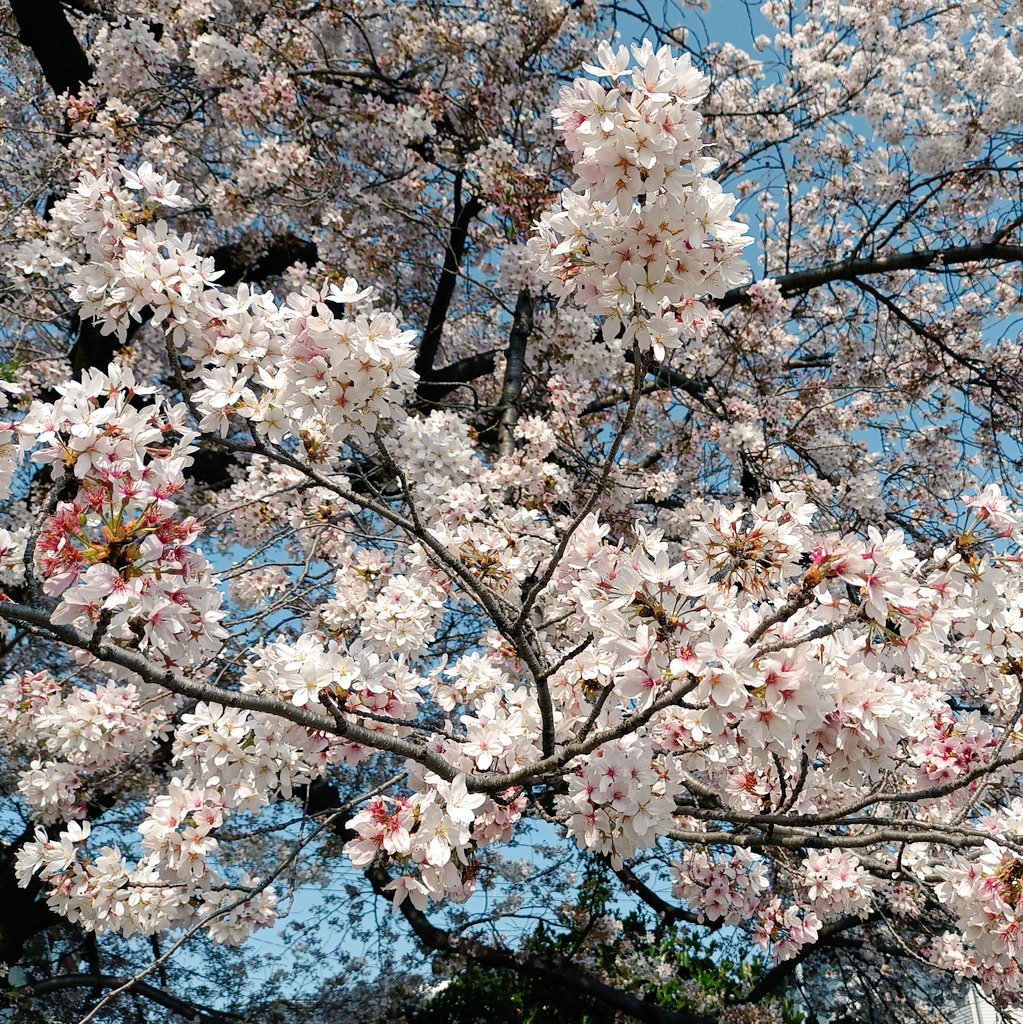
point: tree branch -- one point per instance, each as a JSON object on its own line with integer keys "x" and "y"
{"x": 430, "y": 391}
{"x": 802, "y": 281}
{"x": 772, "y": 978}
{"x": 515, "y": 369}
{"x": 43, "y": 27}
{"x": 256, "y": 259}
{"x": 157, "y": 995}
{"x": 458, "y": 237}
{"x": 668, "y": 912}
{"x": 559, "y": 970}
{"x": 177, "y": 683}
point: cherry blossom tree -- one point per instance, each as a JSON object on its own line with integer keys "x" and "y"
{"x": 426, "y": 422}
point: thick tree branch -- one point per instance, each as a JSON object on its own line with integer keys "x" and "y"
{"x": 669, "y": 913}
{"x": 432, "y": 391}
{"x": 802, "y": 281}
{"x": 255, "y": 258}
{"x": 187, "y": 1010}
{"x": 514, "y": 373}
{"x": 458, "y": 237}
{"x": 93, "y": 350}
{"x": 43, "y": 27}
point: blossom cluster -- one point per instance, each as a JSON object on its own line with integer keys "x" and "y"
{"x": 254, "y": 757}
{"x": 324, "y": 365}
{"x": 227, "y": 761}
{"x": 837, "y": 884}
{"x": 118, "y": 554}
{"x": 785, "y": 929}
{"x": 356, "y": 676}
{"x": 644, "y": 232}
{"x": 70, "y": 737}
{"x": 434, "y": 834}
{"x": 724, "y": 888}
{"x": 531, "y": 626}
{"x": 620, "y": 799}
{"x": 170, "y": 888}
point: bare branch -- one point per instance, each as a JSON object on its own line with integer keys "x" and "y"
{"x": 802, "y": 281}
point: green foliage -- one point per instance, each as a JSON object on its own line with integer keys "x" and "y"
{"x": 477, "y": 996}
{"x": 9, "y": 369}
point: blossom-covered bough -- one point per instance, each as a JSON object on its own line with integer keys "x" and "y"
{"x": 698, "y": 571}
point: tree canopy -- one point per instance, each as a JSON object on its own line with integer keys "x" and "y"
{"x": 434, "y": 427}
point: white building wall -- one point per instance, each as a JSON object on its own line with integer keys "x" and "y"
{"x": 977, "y": 1010}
